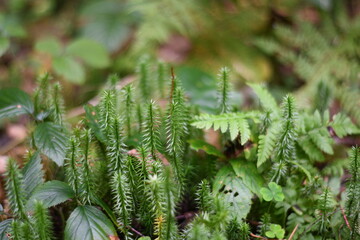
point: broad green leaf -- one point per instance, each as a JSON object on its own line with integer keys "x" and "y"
{"x": 88, "y": 223}
{"x": 51, "y": 140}
{"x": 4, "y": 45}
{"x": 144, "y": 238}
{"x": 70, "y": 69}
{"x": 14, "y": 102}
{"x": 51, "y": 193}
{"x": 273, "y": 192}
{"x": 234, "y": 192}
{"x": 249, "y": 174}
{"x": 49, "y": 45}
{"x": 197, "y": 145}
{"x": 4, "y": 228}
{"x": 90, "y": 51}
{"x": 33, "y": 174}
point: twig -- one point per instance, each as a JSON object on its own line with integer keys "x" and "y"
{"x": 345, "y": 218}
{"x": 293, "y": 232}
{"x": 135, "y": 231}
{"x": 256, "y": 236}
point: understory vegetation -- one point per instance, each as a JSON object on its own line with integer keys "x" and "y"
{"x": 138, "y": 166}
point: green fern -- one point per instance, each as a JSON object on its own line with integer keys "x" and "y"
{"x": 235, "y": 123}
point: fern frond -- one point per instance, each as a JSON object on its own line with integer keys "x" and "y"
{"x": 232, "y": 122}
{"x": 267, "y": 143}
{"x": 343, "y": 125}
{"x": 122, "y": 198}
{"x": 347, "y": 96}
{"x": 266, "y": 99}
{"x": 15, "y": 190}
{"x": 223, "y": 90}
{"x": 42, "y": 223}
{"x": 151, "y": 133}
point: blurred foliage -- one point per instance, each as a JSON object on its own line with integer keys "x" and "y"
{"x": 288, "y": 44}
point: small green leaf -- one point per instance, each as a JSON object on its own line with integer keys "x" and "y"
{"x": 144, "y": 238}
{"x": 50, "y": 138}
{"x": 70, "y": 69}
{"x": 273, "y": 192}
{"x": 90, "y": 51}
{"x": 14, "y": 102}
{"x": 88, "y": 223}
{"x": 197, "y": 145}
{"x": 275, "y": 231}
{"x": 4, "y": 45}
{"x": 33, "y": 174}
{"x": 49, "y": 45}
{"x": 51, "y": 193}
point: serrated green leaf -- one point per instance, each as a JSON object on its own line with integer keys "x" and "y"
{"x": 233, "y": 191}
{"x": 51, "y": 140}
{"x": 33, "y": 174}
{"x": 90, "y": 51}
{"x": 49, "y": 45}
{"x": 249, "y": 174}
{"x": 51, "y": 193}
{"x": 197, "y": 145}
{"x": 14, "y": 102}
{"x": 88, "y": 223}
{"x": 4, "y": 45}
{"x": 70, "y": 69}
{"x": 4, "y": 228}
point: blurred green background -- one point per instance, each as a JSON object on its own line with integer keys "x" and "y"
{"x": 309, "y": 47}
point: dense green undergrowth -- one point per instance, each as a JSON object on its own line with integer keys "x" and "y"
{"x": 137, "y": 166}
